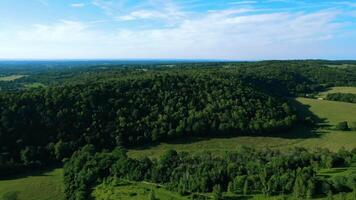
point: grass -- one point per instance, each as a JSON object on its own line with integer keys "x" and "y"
{"x": 351, "y": 90}
{"x": 329, "y": 111}
{"x": 34, "y": 85}
{"x": 337, "y": 172}
{"x": 332, "y": 112}
{"x": 11, "y": 77}
{"x": 123, "y": 190}
{"x": 37, "y": 186}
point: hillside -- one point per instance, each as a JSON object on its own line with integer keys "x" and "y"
{"x": 121, "y": 121}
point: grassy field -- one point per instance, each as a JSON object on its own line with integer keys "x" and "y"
{"x": 351, "y": 90}
{"x": 37, "y": 186}
{"x": 332, "y": 112}
{"x": 329, "y": 111}
{"x": 133, "y": 191}
{"x": 34, "y": 85}
{"x": 11, "y": 78}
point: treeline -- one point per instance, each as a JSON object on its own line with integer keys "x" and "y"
{"x": 345, "y": 97}
{"x": 45, "y": 125}
{"x": 296, "y": 78}
{"x": 247, "y": 171}
{"x": 284, "y": 78}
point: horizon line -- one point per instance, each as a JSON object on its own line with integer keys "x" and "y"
{"x": 165, "y": 59}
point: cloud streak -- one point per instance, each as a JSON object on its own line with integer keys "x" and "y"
{"x": 236, "y": 32}
{"x": 77, "y": 5}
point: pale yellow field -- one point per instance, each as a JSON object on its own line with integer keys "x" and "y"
{"x": 11, "y": 78}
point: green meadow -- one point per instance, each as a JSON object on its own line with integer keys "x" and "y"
{"x": 331, "y": 112}
{"x": 34, "y": 85}
{"x": 35, "y": 186}
{"x": 123, "y": 190}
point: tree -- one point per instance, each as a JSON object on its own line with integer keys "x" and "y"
{"x": 342, "y": 126}
{"x": 310, "y": 189}
{"x": 299, "y": 187}
{"x": 217, "y": 193}
{"x": 342, "y": 196}
{"x": 330, "y": 195}
{"x": 62, "y": 150}
{"x": 246, "y": 190}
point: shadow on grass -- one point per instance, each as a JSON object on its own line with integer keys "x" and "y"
{"x": 303, "y": 112}
{"x": 31, "y": 173}
{"x": 13, "y": 195}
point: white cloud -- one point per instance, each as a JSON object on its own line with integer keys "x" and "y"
{"x": 122, "y": 10}
{"x": 64, "y": 31}
{"x": 141, "y": 14}
{"x": 228, "y": 34}
{"x": 78, "y": 5}
{"x": 149, "y": 14}
{"x": 242, "y": 2}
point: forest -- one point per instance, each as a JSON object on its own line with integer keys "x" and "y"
{"x": 85, "y": 117}
{"x": 148, "y": 108}
{"x": 247, "y": 171}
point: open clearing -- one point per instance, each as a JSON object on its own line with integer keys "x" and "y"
{"x": 11, "y": 78}
{"x": 34, "y": 85}
{"x": 351, "y": 90}
{"x": 330, "y": 111}
{"x": 37, "y": 186}
{"x": 134, "y": 191}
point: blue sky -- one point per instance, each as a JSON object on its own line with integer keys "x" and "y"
{"x": 179, "y": 29}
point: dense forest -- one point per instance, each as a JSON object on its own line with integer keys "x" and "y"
{"x": 56, "y": 121}
{"x": 248, "y": 171}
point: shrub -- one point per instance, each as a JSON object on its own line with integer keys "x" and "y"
{"x": 342, "y": 126}
{"x": 10, "y": 196}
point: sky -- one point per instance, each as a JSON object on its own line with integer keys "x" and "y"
{"x": 178, "y": 29}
